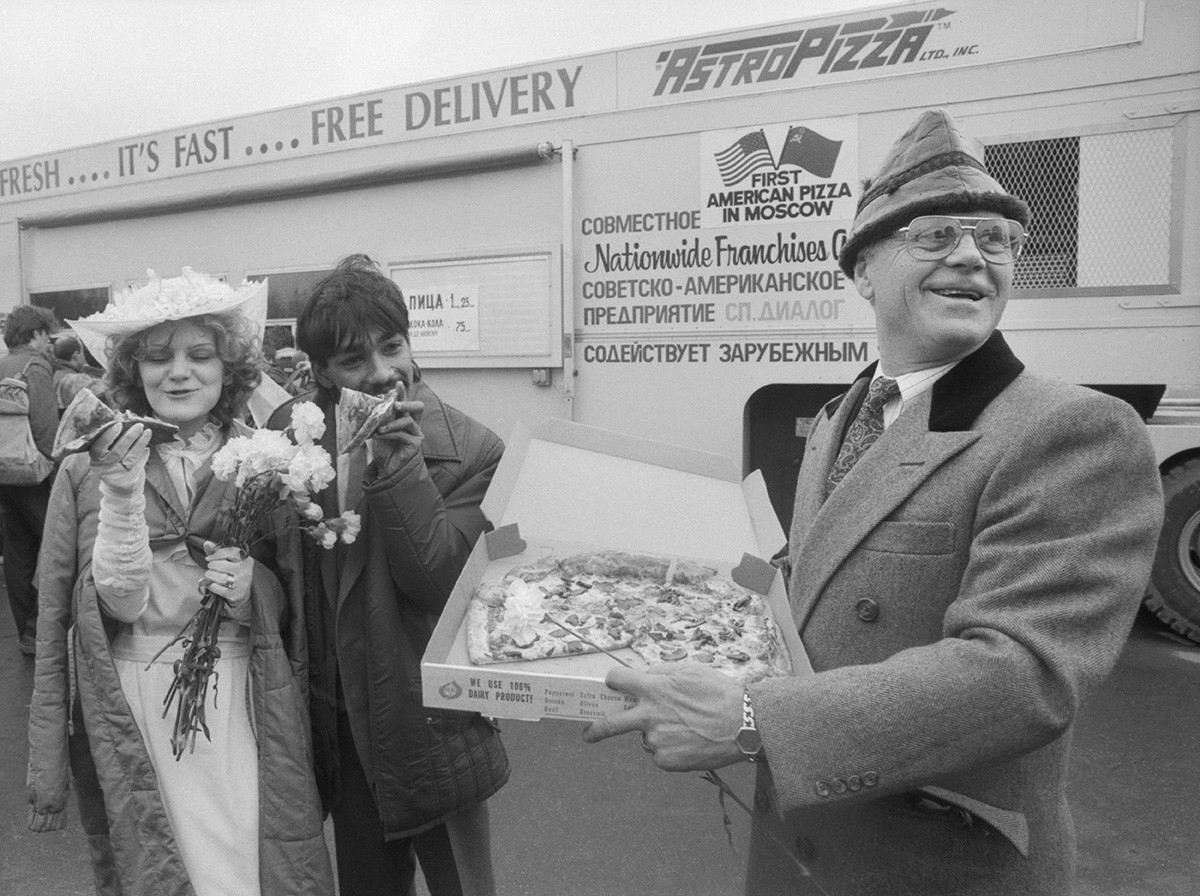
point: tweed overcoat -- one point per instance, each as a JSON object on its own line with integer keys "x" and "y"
{"x": 79, "y": 717}
{"x": 963, "y": 590}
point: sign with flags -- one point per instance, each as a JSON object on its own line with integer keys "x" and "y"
{"x": 779, "y": 172}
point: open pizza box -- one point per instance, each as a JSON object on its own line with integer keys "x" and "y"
{"x": 565, "y": 489}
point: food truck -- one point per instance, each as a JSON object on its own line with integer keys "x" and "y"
{"x": 645, "y": 240}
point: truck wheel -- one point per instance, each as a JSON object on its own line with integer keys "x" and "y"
{"x": 1174, "y": 594}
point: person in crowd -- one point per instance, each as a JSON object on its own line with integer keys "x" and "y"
{"x": 27, "y": 330}
{"x": 281, "y": 364}
{"x": 402, "y": 781}
{"x": 290, "y": 368}
{"x": 300, "y": 380}
{"x": 69, "y": 373}
{"x": 132, "y": 539}
{"x": 970, "y": 543}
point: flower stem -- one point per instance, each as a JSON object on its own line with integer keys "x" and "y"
{"x": 189, "y": 690}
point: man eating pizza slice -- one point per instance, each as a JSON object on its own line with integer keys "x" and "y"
{"x": 403, "y": 783}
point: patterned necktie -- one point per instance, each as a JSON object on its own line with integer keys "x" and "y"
{"x": 865, "y": 429}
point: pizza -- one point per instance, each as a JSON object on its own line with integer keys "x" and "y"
{"x": 599, "y": 602}
{"x": 359, "y": 415}
{"x": 87, "y": 416}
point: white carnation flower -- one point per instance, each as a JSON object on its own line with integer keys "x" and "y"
{"x": 225, "y": 462}
{"x": 353, "y": 526}
{"x": 308, "y": 423}
{"x": 268, "y": 450}
{"x": 309, "y": 469}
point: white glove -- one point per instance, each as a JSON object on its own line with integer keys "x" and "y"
{"x": 119, "y": 458}
{"x": 121, "y": 555}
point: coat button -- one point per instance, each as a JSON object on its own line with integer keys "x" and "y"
{"x": 805, "y": 849}
{"x": 822, "y": 789}
{"x": 854, "y": 782}
{"x": 839, "y": 786}
{"x": 867, "y": 609}
{"x": 870, "y": 779}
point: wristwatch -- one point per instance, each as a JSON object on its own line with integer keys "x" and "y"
{"x": 748, "y": 739}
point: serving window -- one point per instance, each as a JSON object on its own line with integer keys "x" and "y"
{"x": 1104, "y": 212}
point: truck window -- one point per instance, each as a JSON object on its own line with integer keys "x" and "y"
{"x": 69, "y": 304}
{"x": 1097, "y": 201}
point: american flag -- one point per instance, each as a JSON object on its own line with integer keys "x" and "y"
{"x": 748, "y": 153}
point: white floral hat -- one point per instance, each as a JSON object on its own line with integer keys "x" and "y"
{"x": 174, "y": 298}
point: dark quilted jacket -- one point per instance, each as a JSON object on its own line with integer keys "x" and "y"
{"x": 371, "y": 609}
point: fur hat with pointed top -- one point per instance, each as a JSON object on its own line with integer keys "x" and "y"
{"x": 932, "y": 169}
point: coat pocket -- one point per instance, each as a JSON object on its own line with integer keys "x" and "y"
{"x": 911, "y": 537}
{"x": 1009, "y": 822}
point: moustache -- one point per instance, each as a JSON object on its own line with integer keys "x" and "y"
{"x": 397, "y": 385}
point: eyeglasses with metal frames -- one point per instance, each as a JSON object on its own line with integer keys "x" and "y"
{"x": 933, "y": 237}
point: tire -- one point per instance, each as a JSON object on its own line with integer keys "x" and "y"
{"x": 1174, "y": 593}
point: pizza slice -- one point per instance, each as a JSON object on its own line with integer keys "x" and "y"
{"x": 617, "y": 565}
{"x": 716, "y": 622}
{"x": 359, "y": 415}
{"x": 87, "y": 416}
{"x": 520, "y": 620}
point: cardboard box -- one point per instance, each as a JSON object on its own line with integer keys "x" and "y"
{"x": 570, "y": 489}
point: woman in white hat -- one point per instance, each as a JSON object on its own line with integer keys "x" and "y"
{"x": 132, "y": 532}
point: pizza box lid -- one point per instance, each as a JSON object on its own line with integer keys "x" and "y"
{"x": 571, "y": 482}
{"x": 577, "y": 489}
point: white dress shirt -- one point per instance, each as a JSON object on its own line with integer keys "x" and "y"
{"x": 911, "y": 385}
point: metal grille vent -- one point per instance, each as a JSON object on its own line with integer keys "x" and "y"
{"x": 1101, "y": 208}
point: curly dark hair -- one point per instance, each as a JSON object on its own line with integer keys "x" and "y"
{"x": 237, "y": 346}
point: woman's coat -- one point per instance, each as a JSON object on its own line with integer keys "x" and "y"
{"x": 79, "y": 718}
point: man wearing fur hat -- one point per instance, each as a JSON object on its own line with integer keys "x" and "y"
{"x": 969, "y": 546}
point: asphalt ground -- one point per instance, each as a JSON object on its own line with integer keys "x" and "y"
{"x": 602, "y": 820}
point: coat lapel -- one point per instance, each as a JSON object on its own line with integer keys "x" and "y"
{"x": 905, "y": 456}
{"x": 354, "y": 560}
{"x": 934, "y": 428}
{"x": 329, "y": 560}
{"x": 212, "y": 498}
{"x": 162, "y": 492}
{"x": 820, "y": 454}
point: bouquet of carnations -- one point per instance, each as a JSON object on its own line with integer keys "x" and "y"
{"x": 270, "y": 469}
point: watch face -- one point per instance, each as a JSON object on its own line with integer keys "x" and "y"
{"x": 749, "y": 741}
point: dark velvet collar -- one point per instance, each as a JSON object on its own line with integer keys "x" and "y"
{"x": 960, "y": 396}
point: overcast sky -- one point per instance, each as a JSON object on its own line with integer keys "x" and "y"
{"x": 74, "y": 72}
